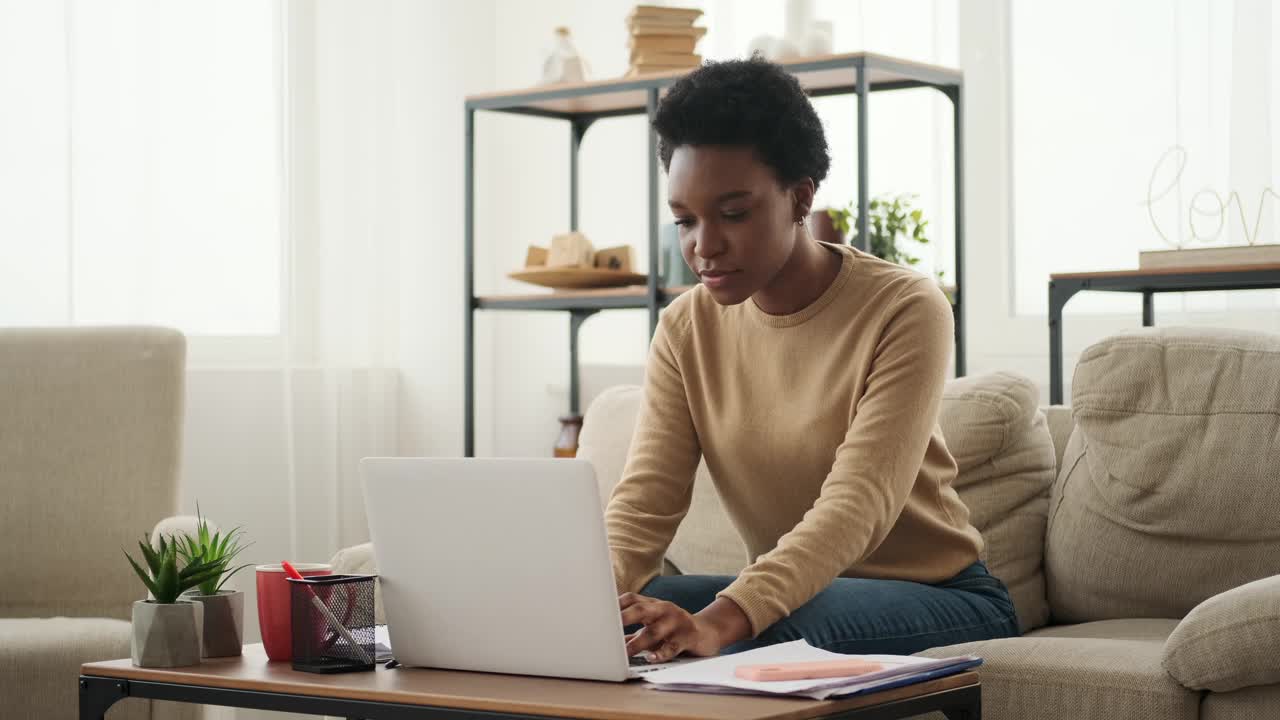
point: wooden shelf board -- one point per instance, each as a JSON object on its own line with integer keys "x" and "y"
{"x": 621, "y": 95}
{"x": 568, "y": 297}
{"x": 1164, "y": 271}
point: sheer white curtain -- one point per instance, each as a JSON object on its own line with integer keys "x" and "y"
{"x": 141, "y": 167}
{"x": 1101, "y": 91}
{"x": 192, "y": 164}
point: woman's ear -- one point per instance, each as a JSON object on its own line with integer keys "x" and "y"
{"x": 802, "y": 198}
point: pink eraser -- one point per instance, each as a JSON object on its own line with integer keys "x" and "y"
{"x": 807, "y": 670}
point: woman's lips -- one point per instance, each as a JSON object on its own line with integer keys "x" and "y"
{"x": 716, "y": 278}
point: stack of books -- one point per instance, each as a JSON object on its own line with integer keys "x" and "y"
{"x": 663, "y": 39}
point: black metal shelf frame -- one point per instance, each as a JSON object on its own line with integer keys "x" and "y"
{"x": 1063, "y": 288}
{"x": 906, "y": 75}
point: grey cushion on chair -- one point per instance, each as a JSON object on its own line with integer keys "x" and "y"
{"x": 1230, "y": 641}
{"x": 40, "y": 659}
{"x": 1167, "y": 419}
{"x": 90, "y": 442}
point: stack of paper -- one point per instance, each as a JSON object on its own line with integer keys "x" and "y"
{"x": 715, "y": 675}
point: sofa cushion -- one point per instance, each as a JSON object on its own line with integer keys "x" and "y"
{"x": 1168, "y": 489}
{"x": 90, "y": 449}
{"x": 1230, "y": 640}
{"x": 991, "y": 425}
{"x": 1005, "y": 455}
{"x": 40, "y": 659}
{"x": 1076, "y": 678}
{"x": 1250, "y": 703}
{"x": 1060, "y": 427}
{"x": 1155, "y": 630}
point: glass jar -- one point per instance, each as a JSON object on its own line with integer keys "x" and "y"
{"x": 567, "y": 445}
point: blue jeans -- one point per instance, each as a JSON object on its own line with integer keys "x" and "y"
{"x": 864, "y": 616}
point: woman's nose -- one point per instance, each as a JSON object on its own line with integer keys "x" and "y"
{"x": 708, "y": 243}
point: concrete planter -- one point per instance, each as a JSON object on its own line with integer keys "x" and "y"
{"x": 223, "y": 622}
{"x": 167, "y": 634}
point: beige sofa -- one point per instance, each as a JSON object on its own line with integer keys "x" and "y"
{"x": 90, "y": 439}
{"x": 1138, "y": 530}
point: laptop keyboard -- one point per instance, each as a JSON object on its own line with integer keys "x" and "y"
{"x": 637, "y": 660}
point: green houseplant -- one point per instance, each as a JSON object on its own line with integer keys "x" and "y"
{"x": 894, "y": 225}
{"x": 223, "y": 609}
{"x": 168, "y": 630}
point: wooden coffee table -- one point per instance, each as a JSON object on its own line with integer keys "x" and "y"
{"x": 251, "y": 681}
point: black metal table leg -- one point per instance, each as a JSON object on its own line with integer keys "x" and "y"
{"x": 97, "y": 695}
{"x": 1148, "y": 309}
{"x": 1059, "y": 293}
{"x": 970, "y": 707}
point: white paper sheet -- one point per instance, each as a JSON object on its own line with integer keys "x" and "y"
{"x": 382, "y": 642}
{"x": 715, "y": 675}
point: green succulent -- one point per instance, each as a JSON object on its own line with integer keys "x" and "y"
{"x": 215, "y": 547}
{"x": 165, "y": 581}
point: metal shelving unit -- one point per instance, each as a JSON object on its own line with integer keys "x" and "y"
{"x": 582, "y": 104}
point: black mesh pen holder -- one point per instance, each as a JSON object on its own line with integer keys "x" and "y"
{"x": 333, "y": 623}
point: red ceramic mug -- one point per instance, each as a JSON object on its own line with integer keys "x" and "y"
{"x": 275, "y": 609}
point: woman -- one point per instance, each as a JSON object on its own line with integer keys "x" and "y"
{"x": 809, "y": 376}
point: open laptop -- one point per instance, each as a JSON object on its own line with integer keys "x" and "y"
{"x": 497, "y": 565}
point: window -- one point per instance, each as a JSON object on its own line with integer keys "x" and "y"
{"x": 140, "y": 164}
{"x": 1101, "y": 92}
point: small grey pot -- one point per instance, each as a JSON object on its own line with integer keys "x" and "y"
{"x": 167, "y": 634}
{"x": 223, "y": 622}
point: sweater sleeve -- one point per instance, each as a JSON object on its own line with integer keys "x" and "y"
{"x": 874, "y": 469}
{"x": 656, "y": 488}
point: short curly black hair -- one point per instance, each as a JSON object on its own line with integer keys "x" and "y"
{"x": 751, "y": 103}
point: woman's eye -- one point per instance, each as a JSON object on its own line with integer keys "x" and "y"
{"x": 735, "y": 216}
{"x": 684, "y": 222}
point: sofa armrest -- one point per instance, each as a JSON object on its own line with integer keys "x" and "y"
{"x": 178, "y": 524}
{"x": 359, "y": 560}
{"x": 1229, "y": 641}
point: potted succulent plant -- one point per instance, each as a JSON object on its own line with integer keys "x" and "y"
{"x": 223, "y": 609}
{"x": 167, "y": 630}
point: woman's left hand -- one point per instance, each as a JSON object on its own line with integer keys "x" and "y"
{"x": 668, "y": 629}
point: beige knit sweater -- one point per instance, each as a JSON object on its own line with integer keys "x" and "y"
{"x": 820, "y": 430}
